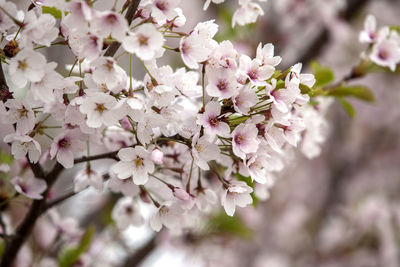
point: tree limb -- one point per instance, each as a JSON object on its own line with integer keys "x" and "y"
{"x": 133, "y": 6}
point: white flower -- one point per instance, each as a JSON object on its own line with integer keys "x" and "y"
{"x": 237, "y": 193}
{"x": 266, "y": 55}
{"x": 248, "y": 12}
{"x": 168, "y": 214}
{"x": 205, "y": 199}
{"x": 5, "y": 22}
{"x": 127, "y": 187}
{"x": 22, "y": 145}
{"x": 146, "y": 42}
{"x": 41, "y": 29}
{"x": 207, "y": 3}
{"x": 199, "y": 45}
{"x": 244, "y": 139}
{"x": 212, "y": 124}
{"x": 369, "y": 34}
{"x": 136, "y": 163}
{"x": 30, "y": 187}
{"x": 101, "y": 109}
{"x": 65, "y": 145}
{"x": 20, "y": 112}
{"x": 87, "y": 177}
{"x": 27, "y": 65}
{"x": 126, "y": 212}
{"x": 204, "y": 151}
{"x": 107, "y": 73}
{"x": 43, "y": 90}
{"x": 244, "y": 99}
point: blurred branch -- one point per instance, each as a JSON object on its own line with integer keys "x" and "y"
{"x": 133, "y": 6}
{"x": 316, "y": 46}
{"x": 36, "y": 209}
{"x": 136, "y": 258}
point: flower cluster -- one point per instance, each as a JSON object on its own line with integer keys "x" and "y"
{"x": 184, "y": 139}
{"x": 384, "y": 43}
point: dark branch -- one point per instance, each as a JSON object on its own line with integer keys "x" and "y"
{"x": 133, "y": 6}
{"x": 37, "y": 208}
{"x": 109, "y": 155}
{"x": 136, "y": 258}
{"x": 318, "y": 44}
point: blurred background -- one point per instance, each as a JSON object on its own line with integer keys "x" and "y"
{"x": 339, "y": 209}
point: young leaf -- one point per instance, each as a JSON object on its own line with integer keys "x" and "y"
{"x": 224, "y": 224}
{"x": 52, "y": 11}
{"x": 348, "y": 107}
{"x": 357, "y": 91}
{"x": 69, "y": 256}
{"x": 323, "y": 75}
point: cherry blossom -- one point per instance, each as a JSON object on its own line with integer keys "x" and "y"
{"x": 30, "y": 187}
{"x": 65, "y": 146}
{"x": 168, "y": 214}
{"x": 126, "y": 212}
{"x": 244, "y": 140}
{"x": 136, "y": 163}
{"x": 237, "y": 193}
{"x": 23, "y": 145}
{"x": 146, "y": 42}
{"x": 211, "y": 122}
{"x": 26, "y": 66}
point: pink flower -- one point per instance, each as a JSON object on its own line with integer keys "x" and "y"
{"x": 211, "y": 122}
{"x": 245, "y": 140}
{"x": 221, "y": 83}
{"x": 65, "y": 146}
{"x": 108, "y": 23}
{"x": 30, "y": 187}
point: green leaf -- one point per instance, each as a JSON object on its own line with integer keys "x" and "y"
{"x": 323, "y": 75}
{"x": 2, "y": 247}
{"x": 70, "y": 255}
{"x": 357, "y": 91}
{"x": 6, "y": 158}
{"x": 224, "y": 224}
{"x": 305, "y": 89}
{"x": 348, "y": 107}
{"x": 52, "y": 11}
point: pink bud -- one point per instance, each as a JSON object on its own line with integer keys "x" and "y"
{"x": 125, "y": 124}
{"x": 157, "y": 156}
{"x": 181, "y": 194}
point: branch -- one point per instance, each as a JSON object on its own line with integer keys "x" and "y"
{"x": 133, "y": 6}
{"x": 110, "y": 155}
{"x": 136, "y": 258}
{"x": 316, "y": 46}
{"x": 37, "y": 208}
